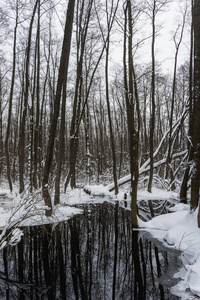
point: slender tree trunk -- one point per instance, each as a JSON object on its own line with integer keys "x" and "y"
{"x": 169, "y": 166}
{"x": 184, "y": 185}
{"x": 53, "y": 125}
{"x": 10, "y": 106}
{"x": 87, "y": 142}
{"x": 25, "y": 108}
{"x": 195, "y": 179}
{"x": 36, "y": 133}
{"x": 152, "y": 118}
{"x": 41, "y": 121}
{"x": 31, "y": 129}
{"x": 112, "y": 140}
{"x": 133, "y": 135}
{"x": 61, "y": 147}
{"x": 81, "y": 41}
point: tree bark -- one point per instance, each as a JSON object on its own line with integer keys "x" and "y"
{"x": 170, "y": 148}
{"x": 25, "y": 108}
{"x": 61, "y": 147}
{"x": 133, "y": 135}
{"x": 1, "y": 129}
{"x": 81, "y": 41}
{"x": 195, "y": 179}
{"x": 112, "y": 140}
{"x": 184, "y": 185}
{"x": 10, "y": 105}
{"x": 53, "y": 125}
{"x": 36, "y": 133}
{"x": 152, "y": 117}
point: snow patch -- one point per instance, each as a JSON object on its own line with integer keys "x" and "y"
{"x": 179, "y": 207}
{"x": 164, "y": 222}
{"x": 97, "y": 190}
{"x": 60, "y": 213}
{"x": 157, "y": 194}
{"x": 192, "y": 277}
{"x": 184, "y": 235}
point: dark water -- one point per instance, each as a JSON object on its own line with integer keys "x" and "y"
{"x": 93, "y": 256}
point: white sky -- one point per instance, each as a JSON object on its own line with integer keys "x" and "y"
{"x": 164, "y": 45}
{"x": 165, "y": 48}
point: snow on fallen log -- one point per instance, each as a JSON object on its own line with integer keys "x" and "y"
{"x": 144, "y": 168}
{"x": 96, "y": 190}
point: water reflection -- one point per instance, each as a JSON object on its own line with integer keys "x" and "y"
{"x": 95, "y": 256}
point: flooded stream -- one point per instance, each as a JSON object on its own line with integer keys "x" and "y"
{"x": 93, "y": 256}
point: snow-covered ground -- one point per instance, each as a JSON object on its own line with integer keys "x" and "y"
{"x": 177, "y": 229}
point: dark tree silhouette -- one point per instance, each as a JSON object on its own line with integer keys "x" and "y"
{"x": 53, "y": 126}
{"x": 195, "y": 179}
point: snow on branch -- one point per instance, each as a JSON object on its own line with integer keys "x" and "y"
{"x": 145, "y": 167}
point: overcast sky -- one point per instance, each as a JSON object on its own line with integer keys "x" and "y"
{"x": 168, "y": 22}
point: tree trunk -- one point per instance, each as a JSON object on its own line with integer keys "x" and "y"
{"x": 81, "y": 41}
{"x": 184, "y": 185}
{"x": 36, "y": 133}
{"x": 195, "y": 179}
{"x": 31, "y": 129}
{"x": 108, "y": 105}
{"x": 25, "y": 108}
{"x": 1, "y": 129}
{"x": 53, "y": 125}
{"x": 10, "y": 105}
{"x": 170, "y": 148}
{"x": 133, "y": 136}
{"x": 40, "y": 131}
{"x": 152, "y": 118}
{"x": 61, "y": 147}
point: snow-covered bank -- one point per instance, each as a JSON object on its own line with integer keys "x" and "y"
{"x": 28, "y": 210}
{"x": 163, "y": 222}
{"x": 179, "y": 230}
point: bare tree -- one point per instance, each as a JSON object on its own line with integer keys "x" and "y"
{"x": 61, "y": 148}
{"x": 184, "y": 185}
{"x": 195, "y": 179}
{"x": 36, "y": 132}
{"x": 177, "y": 42}
{"x": 130, "y": 110}
{"x": 82, "y": 23}
{"x": 53, "y": 126}
{"x": 110, "y": 15}
{"x": 25, "y": 106}
{"x": 154, "y": 6}
{"x": 17, "y": 12}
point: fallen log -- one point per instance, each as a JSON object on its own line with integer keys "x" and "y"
{"x": 143, "y": 169}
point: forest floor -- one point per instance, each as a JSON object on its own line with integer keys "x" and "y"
{"x": 176, "y": 229}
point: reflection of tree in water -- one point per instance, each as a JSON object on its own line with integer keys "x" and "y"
{"x": 91, "y": 257}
